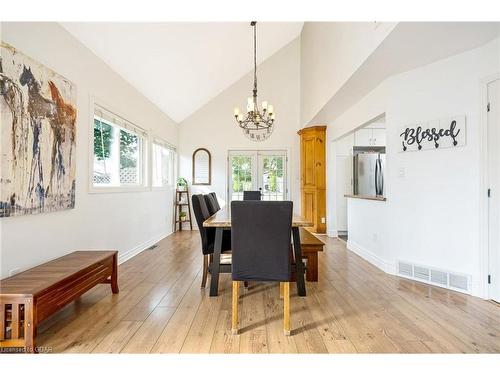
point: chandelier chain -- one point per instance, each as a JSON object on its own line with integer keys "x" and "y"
{"x": 255, "y": 56}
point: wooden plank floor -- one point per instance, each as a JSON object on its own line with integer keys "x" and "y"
{"x": 353, "y": 308}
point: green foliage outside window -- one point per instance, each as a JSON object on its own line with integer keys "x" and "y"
{"x": 274, "y": 168}
{"x": 242, "y": 173}
{"x": 103, "y": 140}
{"x": 128, "y": 149}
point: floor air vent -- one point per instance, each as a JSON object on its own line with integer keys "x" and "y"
{"x": 432, "y": 276}
{"x": 459, "y": 282}
{"x": 405, "y": 269}
{"x": 420, "y": 273}
{"x": 439, "y": 277}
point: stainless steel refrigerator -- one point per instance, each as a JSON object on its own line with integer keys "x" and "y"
{"x": 369, "y": 170}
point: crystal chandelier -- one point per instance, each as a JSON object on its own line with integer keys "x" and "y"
{"x": 256, "y": 125}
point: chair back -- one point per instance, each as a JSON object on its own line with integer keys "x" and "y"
{"x": 252, "y": 195}
{"x": 261, "y": 238}
{"x": 211, "y": 205}
{"x": 201, "y": 214}
{"x": 217, "y": 205}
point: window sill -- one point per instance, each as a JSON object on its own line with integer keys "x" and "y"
{"x": 118, "y": 189}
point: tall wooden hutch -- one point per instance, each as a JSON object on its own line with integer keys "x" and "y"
{"x": 313, "y": 176}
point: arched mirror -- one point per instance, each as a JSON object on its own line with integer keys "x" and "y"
{"x": 202, "y": 167}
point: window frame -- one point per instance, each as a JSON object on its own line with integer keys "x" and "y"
{"x": 144, "y": 154}
{"x": 162, "y": 143}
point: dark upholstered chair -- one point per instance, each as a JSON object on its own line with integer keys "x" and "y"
{"x": 249, "y": 195}
{"x": 211, "y": 203}
{"x": 261, "y": 237}
{"x": 217, "y": 206}
{"x": 201, "y": 214}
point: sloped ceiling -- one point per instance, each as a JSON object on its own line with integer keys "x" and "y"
{"x": 181, "y": 66}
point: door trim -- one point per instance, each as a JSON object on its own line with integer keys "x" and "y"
{"x": 484, "y": 287}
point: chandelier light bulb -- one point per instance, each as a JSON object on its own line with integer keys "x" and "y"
{"x": 236, "y": 111}
{"x": 264, "y": 105}
{"x": 270, "y": 109}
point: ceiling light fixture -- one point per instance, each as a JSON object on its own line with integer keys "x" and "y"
{"x": 256, "y": 126}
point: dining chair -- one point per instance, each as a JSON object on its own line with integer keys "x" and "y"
{"x": 210, "y": 201}
{"x": 252, "y": 195}
{"x": 261, "y": 237}
{"x": 207, "y": 235}
{"x": 217, "y": 206}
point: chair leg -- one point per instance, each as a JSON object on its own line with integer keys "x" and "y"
{"x": 234, "y": 323}
{"x": 205, "y": 271}
{"x": 286, "y": 303}
{"x": 282, "y": 285}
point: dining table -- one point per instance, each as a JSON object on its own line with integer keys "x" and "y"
{"x": 221, "y": 221}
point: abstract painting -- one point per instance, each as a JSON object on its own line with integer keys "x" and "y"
{"x": 37, "y": 137}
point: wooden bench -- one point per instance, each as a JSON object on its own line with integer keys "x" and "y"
{"x": 26, "y": 299}
{"x": 310, "y": 246}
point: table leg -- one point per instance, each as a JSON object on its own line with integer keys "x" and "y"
{"x": 299, "y": 265}
{"x": 214, "y": 279}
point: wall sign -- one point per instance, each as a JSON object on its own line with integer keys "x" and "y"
{"x": 444, "y": 133}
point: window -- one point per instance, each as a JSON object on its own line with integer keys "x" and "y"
{"x": 118, "y": 152}
{"x": 162, "y": 164}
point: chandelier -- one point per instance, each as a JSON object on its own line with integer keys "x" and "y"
{"x": 256, "y": 125}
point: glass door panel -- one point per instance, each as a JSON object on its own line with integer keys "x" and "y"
{"x": 242, "y": 174}
{"x": 272, "y": 176}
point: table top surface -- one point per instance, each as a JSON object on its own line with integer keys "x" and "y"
{"x": 222, "y": 218}
{"x": 37, "y": 279}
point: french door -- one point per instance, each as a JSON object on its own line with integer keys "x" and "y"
{"x": 493, "y": 120}
{"x": 258, "y": 170}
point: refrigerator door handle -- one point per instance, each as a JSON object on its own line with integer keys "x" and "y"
{"x": 381, "y": 183}
{"x": 355, "y": 173}
{"x": 376, "y": 177}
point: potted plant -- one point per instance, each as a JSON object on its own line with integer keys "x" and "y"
{"x": 182, "y": 216}
{"x": 181, "y": 184}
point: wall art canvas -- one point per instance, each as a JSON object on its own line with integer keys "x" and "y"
{"x": 37, "y": 137}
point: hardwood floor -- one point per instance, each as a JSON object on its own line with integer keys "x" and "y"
{"x": 353, "y": 308}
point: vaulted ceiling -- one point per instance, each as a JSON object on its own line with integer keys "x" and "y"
{"x": 181, "y": 66}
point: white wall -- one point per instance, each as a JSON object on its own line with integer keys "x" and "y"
{"x": 330, "y": 54}
{"x": 123, "y": 221}
{"x": 431, "y": 216}
{"x": 214, "y": 127}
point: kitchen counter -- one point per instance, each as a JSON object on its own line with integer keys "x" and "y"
{"x": 367, "y": 197}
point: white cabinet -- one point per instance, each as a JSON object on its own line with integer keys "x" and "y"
{"x": 378, "y": 137}
{"x": 363, "y": 137}
{"x": 369, "y": 137}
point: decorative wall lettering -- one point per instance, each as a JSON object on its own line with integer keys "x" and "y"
{"x": 444, "y": 133}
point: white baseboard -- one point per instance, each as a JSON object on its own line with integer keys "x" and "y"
{"x": 332, "y": 233}
{"x": 123, "y": 256}
{"x": 367, "y": 255}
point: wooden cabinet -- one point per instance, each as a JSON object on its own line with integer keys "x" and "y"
{"x": 313, "y": 176}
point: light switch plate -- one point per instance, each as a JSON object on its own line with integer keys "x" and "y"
{"x": 323, "y": 220}
{"x": 401, "y": 172}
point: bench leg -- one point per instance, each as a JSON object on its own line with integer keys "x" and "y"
{"x": 114, "y": 275}
{"x": 312, "y": 267}
{"x": 29, "y": 327}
